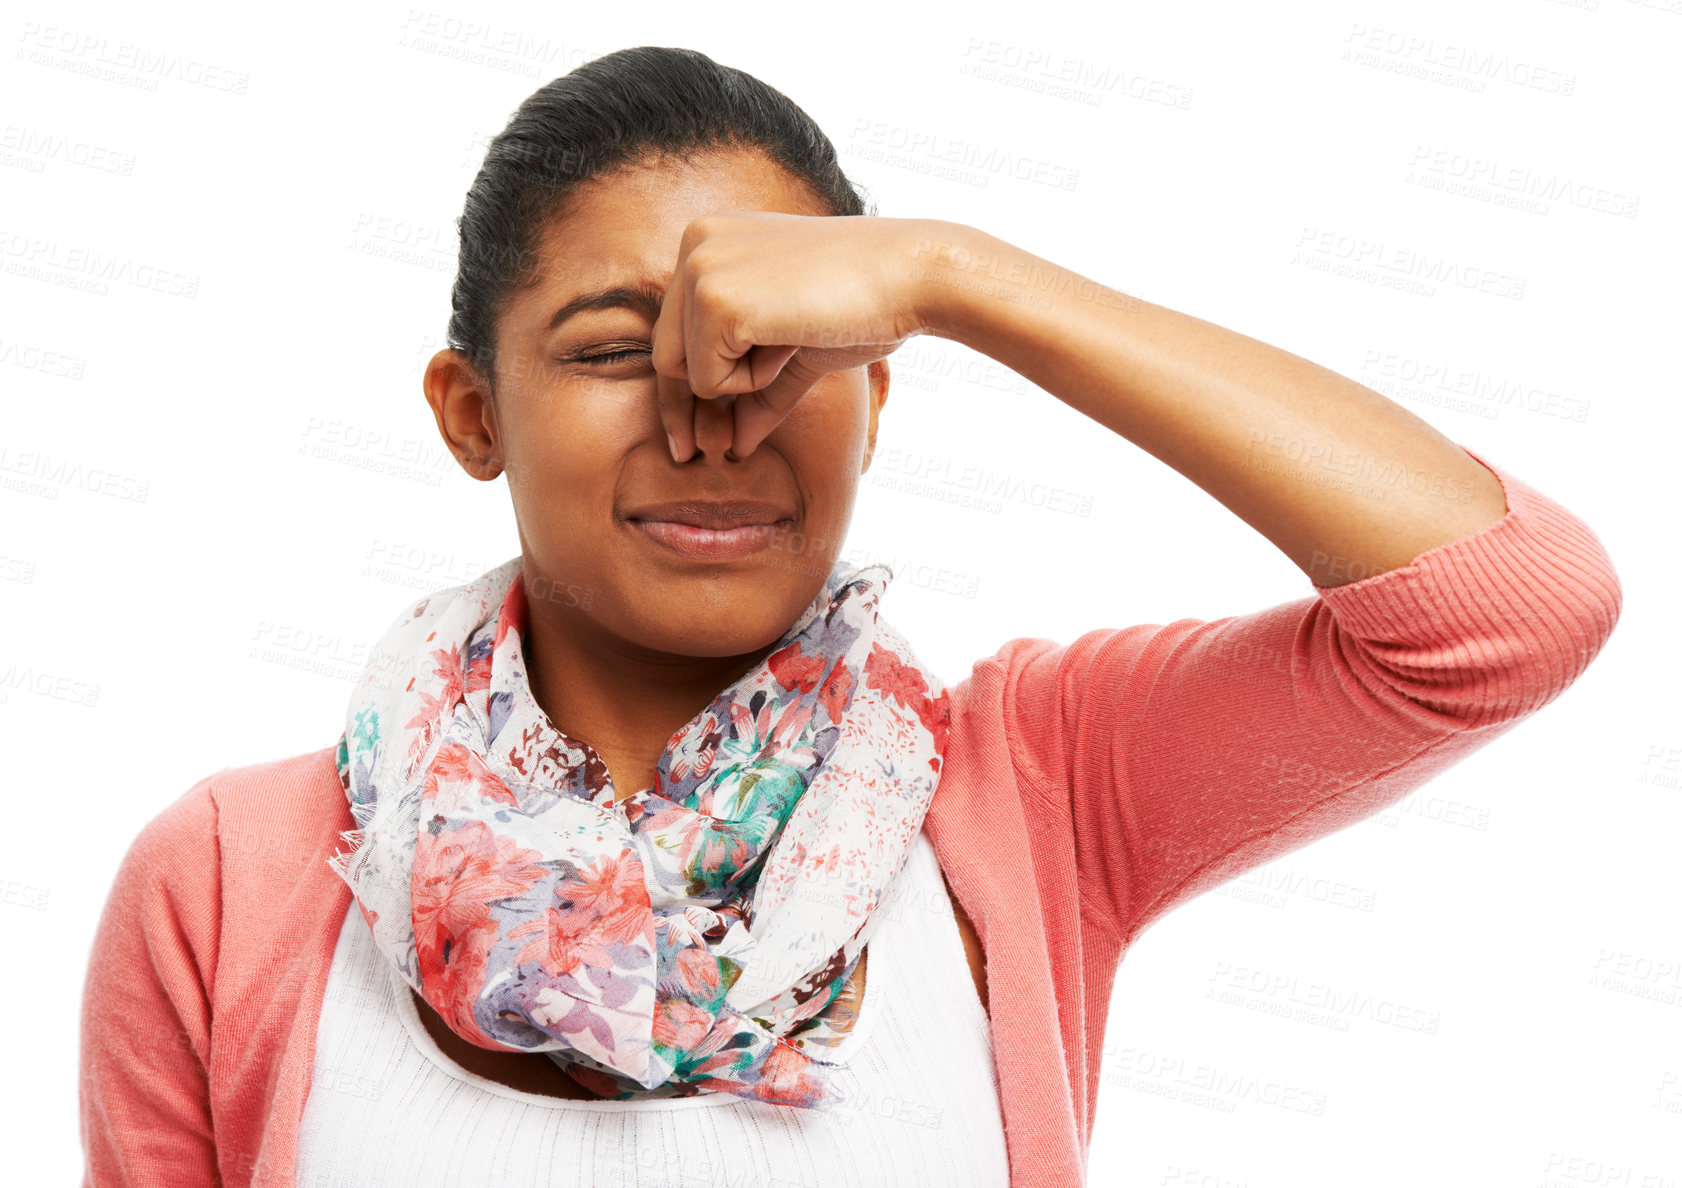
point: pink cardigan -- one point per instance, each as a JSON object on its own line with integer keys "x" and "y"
{"x": 1089, "y": 788}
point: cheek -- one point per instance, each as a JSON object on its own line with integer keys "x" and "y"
{"x": 832, "y": 419}
{"x": 824, "y": 444}
{"x": 565, "y": 450}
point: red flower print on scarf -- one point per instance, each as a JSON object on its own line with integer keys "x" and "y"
{"x": 679, "y": 1024}
{"x": 887, "y": 673}
{"x": 457, "y": 875}
{"x": 794, "y": 670}
{"x": 787, "y": 1079}
{"x": 941, "y": 720}
{"x": 446, "y": 668}
{"x": 607, "y": 905}
{"x": 696, "y": 972}
{"x": 837, "y": 688}
{"x": 435, "y": 706}
{"x": 457, "y": 764}
{"x": 901, "y": 682}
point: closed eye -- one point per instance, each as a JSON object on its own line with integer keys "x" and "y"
{"x": 611, "y": 356}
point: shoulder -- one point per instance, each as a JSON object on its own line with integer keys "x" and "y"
{"x": 275, "y": 781}
{"x": 1031, "y": 666}
{"x": 241, "y": 852}
{"x": 994, "y": 683}
{"x": 174, "y": 854}
{"x": 1009, "y": 716}
{"x": 249, "y": 821}
{"x": 277, "y": 818}
{"x": 1034, "y": 691}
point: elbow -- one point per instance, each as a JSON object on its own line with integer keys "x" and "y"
{"x": 1553, "y": 636}
{"x": 1499, "y": 657}
{"x": 1587, "y": 613}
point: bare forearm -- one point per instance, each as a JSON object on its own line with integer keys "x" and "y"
{"x": 1344, "y": 481}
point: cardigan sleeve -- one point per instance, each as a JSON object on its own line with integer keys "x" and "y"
{"x": 145, "y": 1016}
{"x": 1188, "y": 753}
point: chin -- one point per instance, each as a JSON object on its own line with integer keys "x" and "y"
{"x": 721, "y": 617}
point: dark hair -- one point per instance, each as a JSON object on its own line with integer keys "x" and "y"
{"x": 629, "y": 106}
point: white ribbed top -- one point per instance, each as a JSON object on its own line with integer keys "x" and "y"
{"x": 388, "y": 1109}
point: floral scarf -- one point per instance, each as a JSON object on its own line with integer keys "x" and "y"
{"x": 685, "y": 939}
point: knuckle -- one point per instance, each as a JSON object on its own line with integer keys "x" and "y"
{"x": 695, "y": 232}
{"x": 708, "y": 289}
{"x": 667, "y": 358}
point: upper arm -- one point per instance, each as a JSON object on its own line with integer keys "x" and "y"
{"x": 1190, "y": 752}
{"x": 145, "y": 1014}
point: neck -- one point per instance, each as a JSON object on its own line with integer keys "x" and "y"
{"x": 624, "y": 700}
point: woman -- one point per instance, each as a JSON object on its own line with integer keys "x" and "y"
{"x": 532, "y": 958}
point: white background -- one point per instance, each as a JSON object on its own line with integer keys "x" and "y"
{"x": 264, "y": 412}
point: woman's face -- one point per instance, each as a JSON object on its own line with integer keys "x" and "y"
{"x": 581, "y": 441}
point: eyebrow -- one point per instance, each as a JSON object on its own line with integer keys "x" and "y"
{"x": 644, "y": 297}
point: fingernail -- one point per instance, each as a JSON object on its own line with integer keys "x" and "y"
{"x": 671, "y": 442}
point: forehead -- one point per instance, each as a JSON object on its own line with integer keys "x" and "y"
{"x": 625, "y": 225}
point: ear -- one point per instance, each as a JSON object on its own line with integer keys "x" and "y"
{"x": 877, "y": 374}
{"x": 466, "y": 414}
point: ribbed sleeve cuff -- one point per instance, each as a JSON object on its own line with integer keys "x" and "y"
{"x": 1495, "y": 624}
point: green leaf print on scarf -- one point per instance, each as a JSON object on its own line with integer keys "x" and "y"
{"x": 743, "y": 825}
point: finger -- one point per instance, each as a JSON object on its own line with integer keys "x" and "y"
{"x": 724, "y": 354}
{"x": 674, "y": 397}
{"x": 764, "y": 363}
{"x": 759, "y": 412}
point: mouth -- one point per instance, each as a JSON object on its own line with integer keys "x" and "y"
{"x": 703, "y": 531}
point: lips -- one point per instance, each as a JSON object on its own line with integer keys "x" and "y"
{"x": 720, "y": 516}
{"x": 710, "y": 531}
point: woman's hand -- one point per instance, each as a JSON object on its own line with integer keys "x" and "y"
{"x": 761, "y": 305}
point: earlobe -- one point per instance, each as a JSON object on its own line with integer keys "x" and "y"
{"x": 877, "y": 374}
{"x": 465, "y": 413}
